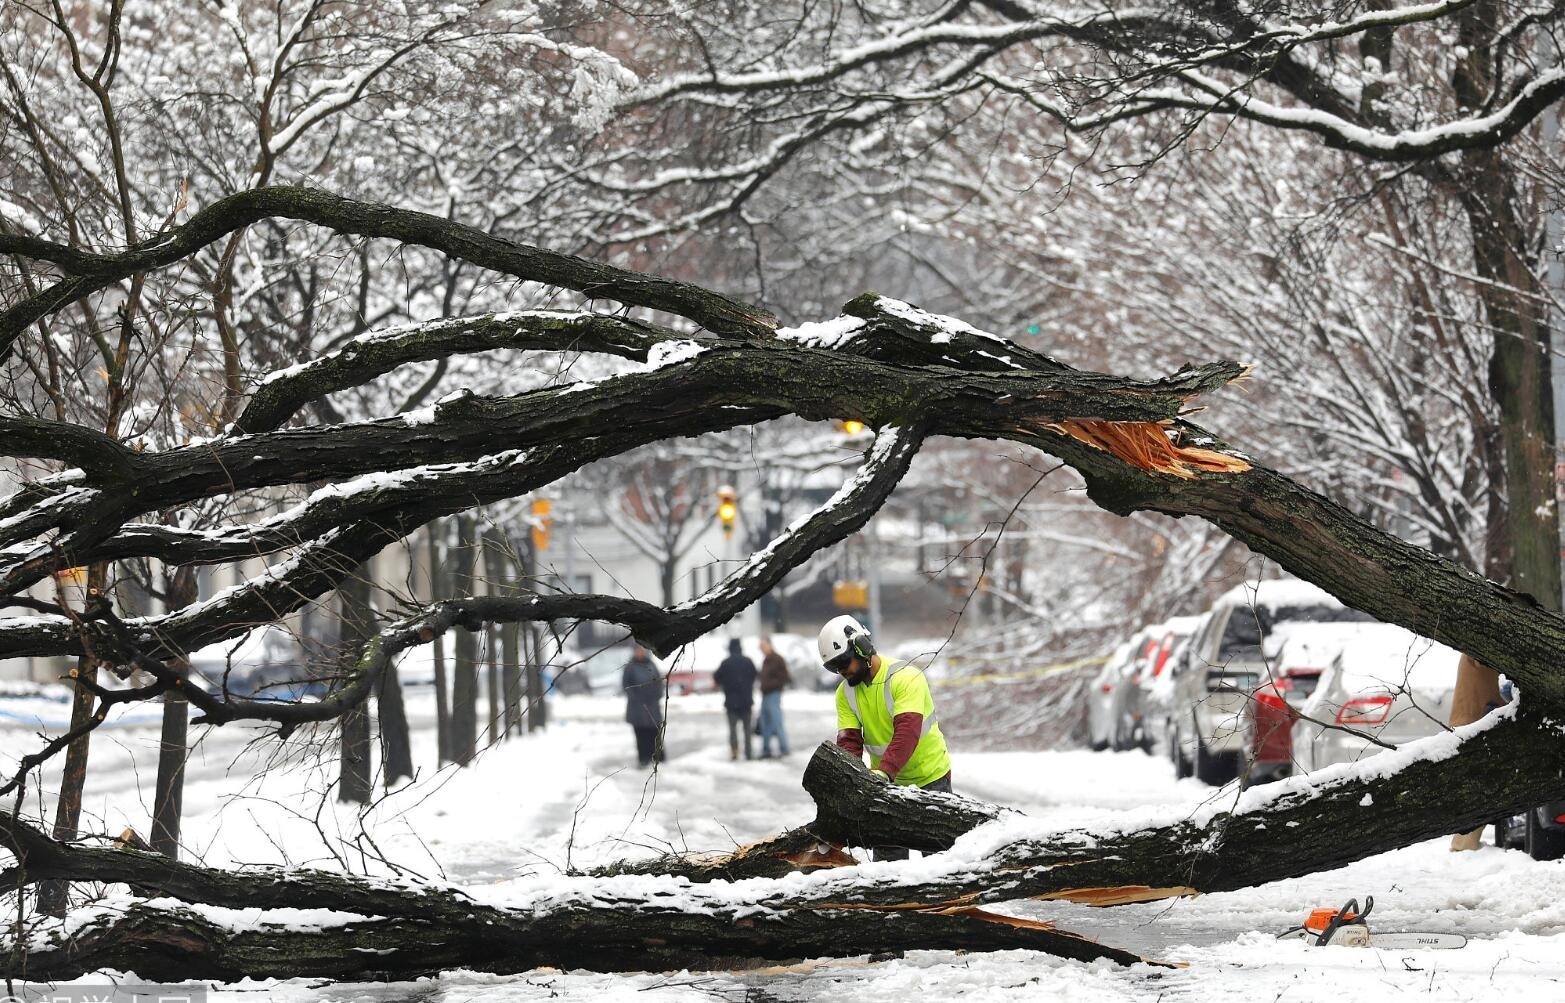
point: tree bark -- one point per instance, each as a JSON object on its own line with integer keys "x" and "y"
{"x": 510, "y": 646}
{"x": 494, "y": 573}
{"x": 173, "y": 741}
{"x": 409, "y": 930}
{"x": 356, "y": 619}
{"x": 537, "y": 696}
{"x": 537, "y": 709}
{"x": 396, "y": 743}
{"x": 438, "y": 589}
{"x": 1520, "y": 377}
{"x": 53, "y": 898}
{"x": 163, "y": 944}
{"x": 464, "y": 688}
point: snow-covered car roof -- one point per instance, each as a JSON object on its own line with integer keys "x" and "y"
{"x": 1276, "y": 592}
{"x": 1387, "y": 658}
{"x": 1314, "y": 645}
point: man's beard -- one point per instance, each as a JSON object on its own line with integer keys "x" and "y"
{"x": 858, "y": 673}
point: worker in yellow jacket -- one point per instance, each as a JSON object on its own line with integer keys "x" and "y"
{"x": 884, "y": 706}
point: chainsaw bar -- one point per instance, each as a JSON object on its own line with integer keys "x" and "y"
{"x": 1360, "y": 936}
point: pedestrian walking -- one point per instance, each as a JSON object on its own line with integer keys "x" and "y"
{"x": 644, "y": 693}
{"x": 774, "y": 679}
{"x": 885, "y": 706}
{"x": 736, "y": 677}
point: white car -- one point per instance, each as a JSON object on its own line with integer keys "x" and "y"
{"x": 1388, "y": 684}
{"x": 1158, "y": 696}
{"x": 1228, "y": 660}
{"x": 1135, "y": 729}
{"x": 1289, "y": 682}
{"x": 1103, "y": 698}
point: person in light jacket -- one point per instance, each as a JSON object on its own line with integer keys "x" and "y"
{"x": 774, "y": 678}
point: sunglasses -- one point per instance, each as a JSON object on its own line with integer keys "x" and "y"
{"x": 840, "y": 663}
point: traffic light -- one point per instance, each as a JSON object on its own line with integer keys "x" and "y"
{"x": 542, "y": 522}
{"x": 727, "y": 509}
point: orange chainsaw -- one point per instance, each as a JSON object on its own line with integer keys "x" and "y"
{"x": 1347, "y": 927}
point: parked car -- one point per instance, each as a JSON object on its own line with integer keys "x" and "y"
{"x": 1157, "y": 697}
{"x": 266, "y": 664}
{"x": 1228, "y": 662}
{"x": 1387, "y": 683}
{"x": 1274, "y": 707}
{"x": 598, "y": 671}
{"x": 1132, "y": 730}
{"x": 1102, "y": 708}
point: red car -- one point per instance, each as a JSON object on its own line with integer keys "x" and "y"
{"x": 1273, "y": 708}
{"x": 1268, "y": 721}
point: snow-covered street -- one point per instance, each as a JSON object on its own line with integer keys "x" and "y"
{"x": 572, "y": 797}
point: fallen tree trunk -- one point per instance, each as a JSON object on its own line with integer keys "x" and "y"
{"x": 399, "y": 930}
{"x": 852, "y": 808}
{"x": 1507, "y": 763}
{"x": 158, "y": 942}
{"x": 637, "y": 919}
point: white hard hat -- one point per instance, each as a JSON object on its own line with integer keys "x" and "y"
{"x": 844, "y": 634}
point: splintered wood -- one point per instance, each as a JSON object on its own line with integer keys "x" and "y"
{"x": 1147, "y": 446}
{"x": 1118, "y": 895}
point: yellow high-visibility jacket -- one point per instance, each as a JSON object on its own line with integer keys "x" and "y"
{"x": 898, "y": 688}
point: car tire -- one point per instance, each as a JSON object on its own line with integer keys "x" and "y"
{"x": 1181, "y": 765}
{"x": 1543, "y": 843}
{"x": 1097, "y": 746}
{"x": 1214, "y": 770}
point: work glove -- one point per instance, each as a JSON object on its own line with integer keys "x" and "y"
{"x": 881, "y": 774}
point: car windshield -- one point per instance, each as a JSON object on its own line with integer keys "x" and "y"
{"x": 1248, "y": 625}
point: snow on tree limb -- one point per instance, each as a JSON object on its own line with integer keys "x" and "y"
{"x": 999, "y": 386}
{"x": 90, "y": 272}
{"x": 282, "y": 393}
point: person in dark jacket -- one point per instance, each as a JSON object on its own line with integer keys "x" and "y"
{"x": 774, "y": 677}
{"x": 644, "y": 691}
{"x": 736, "y": 677}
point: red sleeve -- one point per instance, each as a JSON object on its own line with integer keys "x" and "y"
{"x": 851, "y": 740}
{"x": 907, "y": 729}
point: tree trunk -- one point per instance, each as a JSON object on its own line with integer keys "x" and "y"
{"x": 396, "y": 744}
{"x": 439, "y": 580}
{"x": 510, "y": 646}
{"x": 464, "y": 688}
{"x": 53, "y": 897}
{"x": 165, "y": 944}
{"x": 357, "y": 625}
{"x": 537, "y": 705}
{"x": 494, "y": 571}
{"x": 666, "y": 570}
{"x": 1520, "y": 378}
{"x": 173, "y": 742}
{"x": 537, "y": 710}
{"x": 407, "y": 930}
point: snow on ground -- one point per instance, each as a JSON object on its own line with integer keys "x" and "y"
{"x": 574, "y": 793}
